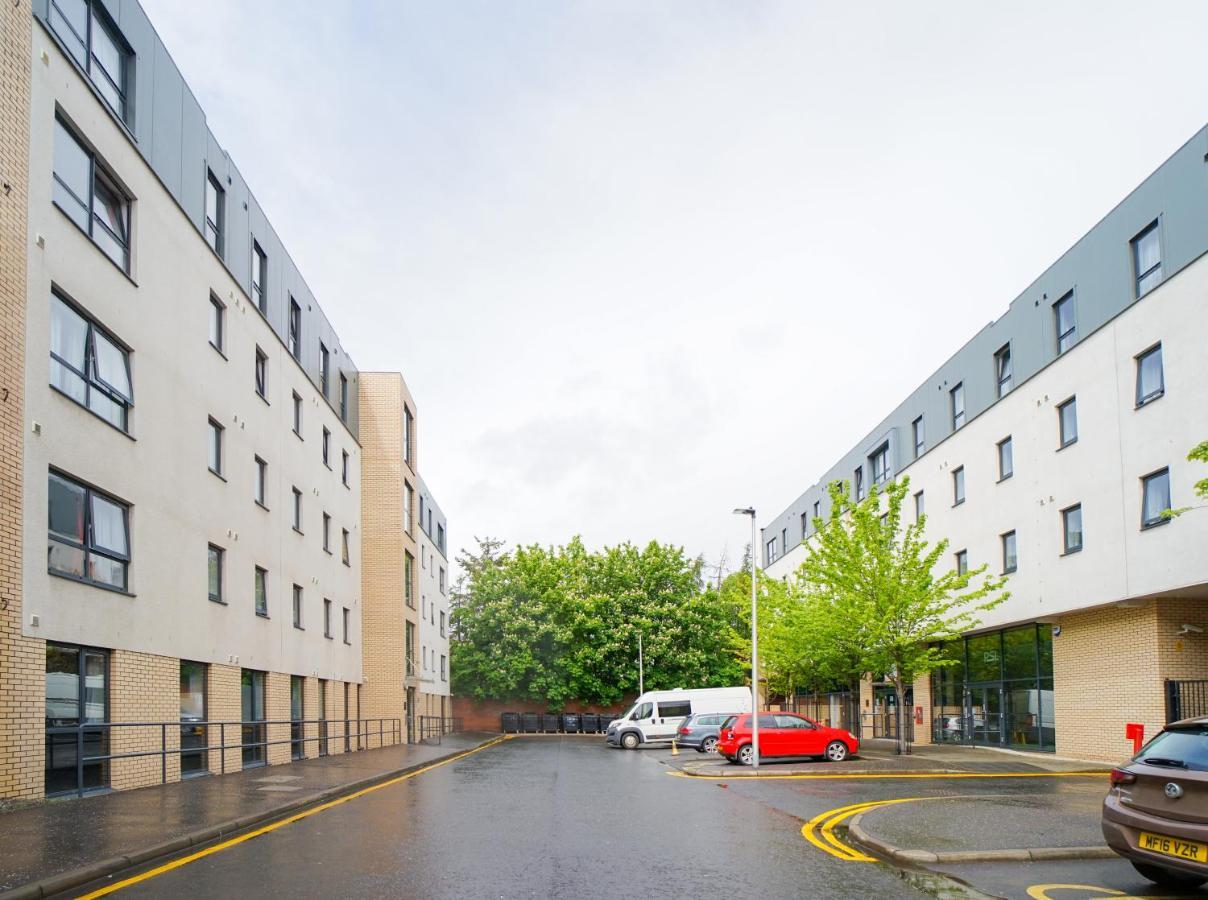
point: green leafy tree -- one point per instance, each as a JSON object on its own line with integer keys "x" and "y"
{"x": 1199, "y": 453}
{"x": 877, "y": 596}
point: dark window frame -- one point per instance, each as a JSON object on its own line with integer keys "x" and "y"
{"x": 102, "y": 79}
{"x": 260, "y": 592}
{"x": 259, "y": 278}
{"x": 297, "y": 509}
{"x": 345, "y": 548}
{"x": 1063, "y": 439}
{"x": 297, "y": 413}
{"x": 326, "y": 532}
{"x": 1009, "y": 566}
{"x": 217, "y": 436}
{"x": 213, "y": 231}
{"x": 347, "y": 620}
{"x": 221, "y": 558}
{"x": 261, "y": 495}
{"x": 89, "y": 547}
{"x": 344, "y": 457}
{"x": 1163, "y": 472}
{"x": 958, "y": 416}
{"x": 324, "y": 369}
{"x": 100, "y": 180}
{"x": 1066, "y": 547}
{"x": 1134, "y": 251}
{"x": 92, "y": 380}
{"x": 296, "y": 598}
{"x": 1004, "y": 370}
{"x": 261, "y": 380}
{"x": 294, "y": 337}
{"x": 1007, "y": 443}
{"x": 879, "y": 462}
{"x": 343, "y": 397}
{"x": 1144, "y": 399}
{"x": 218, "y": 323}
{"x": 958, "y": 486}
{"x": 918, "y": 435}
{"x": 326, "y": 447}
{"x": 962, "y": 561}
{"x": 1068, "y": 337}
{"x": 327, "y": 619}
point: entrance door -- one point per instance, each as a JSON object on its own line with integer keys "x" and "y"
{"x": 322, "y": 717}
{"x": 252, "y": 713}
{"x": 297, "y": 712}
{"x": 983, "y": 714}
{"x": 192, "y": 712}
{"x": 77, "y": 694}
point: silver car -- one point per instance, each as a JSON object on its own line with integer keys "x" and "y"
{"x": 699, "y": 731}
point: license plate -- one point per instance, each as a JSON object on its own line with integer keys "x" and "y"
{"x": 1168, "y": 846}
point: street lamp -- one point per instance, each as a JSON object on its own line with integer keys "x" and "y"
{"x": 750, "y": 511}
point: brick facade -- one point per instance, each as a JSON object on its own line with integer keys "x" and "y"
{"x": 143, "y": 688}
{"x": 224, "y": 704}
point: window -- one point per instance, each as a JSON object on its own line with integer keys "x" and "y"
{"x": 343, "y": 398}
{"x": 442, "y": 579}
{"x": 324, "y": 368}
{"x": 193, "y": 711}
{"x": 261, "y": 373}
{"x": 817, "y": 509}
{"x": 253, "y": 737}
{"x": 919, "y": 508}
{"x": 326, "y": 447}
{"x": 89, "y": 536}
{"x": 1147, "y": 259}
{"x": 1155, "y": 491}
{"x": 326, "y": 532}
{"x": 443, "y": 677}
{"x": 297, "y": 414}
{"x": 408, "y": 503}
{"x": 804, "y": 525}
{"x": 1067, "y": 420}
{"x": 297, "y": 510}
{"x": 962, "y": 562}
{"x": 957, "y": 402}
{"x": 217, "y": 323}
{"x": 958, "y": 485}
{"x": 261, "y": 479}
{"x": 771, "y": 551}
{"x": 1002, "y": 370}
{"x": 440, "y": 538}
{"x": 259, "y": 278}
{"x": 261, "y": 592}
{"x": 88, "y": 365}
{"x": 1071, "y": 529}
{"x": 344, "y": 555}
{"x": 1006, "y": 462}
{"x": 920, "y": 441}
{"x": 858, "y": 482}
{"x": 90, "y": 197}
{"x": 880, "y": 465}
{"x": 346, "y": 618}
{"x": 1151, "y": 382}
{"x": 1010, "y": 559}
{"x": 215, "y": 210}
{"x": 297, "y": 606}
{"x": 442, "y": 623}
{"x": 295, "y": 329}
{"x": 784, "y": 548}
{"x": 77, "y": 693}
{"x": 326, "y": 618}
{"x": 1064, "y": 324}
{"x": 344, "y": 467}
{"x": 92, "y": 39}
{"x": 216, "y": 558}
{"x": 216, "y": 431}
{"x": 408, "y": 424}
{"x": 409, "y": 579}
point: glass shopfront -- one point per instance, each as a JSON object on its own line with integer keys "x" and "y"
{"x": 77, "y": 696}
{"x": 998, "y": 691}
{"x": 193, "y": 740}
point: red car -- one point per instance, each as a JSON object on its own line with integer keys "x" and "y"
{"x": 784, "y": 734}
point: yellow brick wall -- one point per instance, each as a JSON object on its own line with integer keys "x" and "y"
{"x": 224, "y": 704}
{"x": 143, "y": 688}
{"x": 922, "y": 697}
{"x": 276, "y": 709}
{"x": 1182, "y": 656}
{"x": 22, "y": 659}
{"x": 310, "y": 708}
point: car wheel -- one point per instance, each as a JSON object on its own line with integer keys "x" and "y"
{"x": 1168, "y": 877}
{"x": 630, "y": 740}
{"x": 836, "y": 751}
{"x": 709, "y": 745}
{"x": 746, "y": 755}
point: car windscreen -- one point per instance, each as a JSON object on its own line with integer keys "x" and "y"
{"x": 1179, "y": 748}
{"x": 728, "y": 722}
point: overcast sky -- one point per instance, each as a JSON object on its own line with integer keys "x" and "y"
{"x": 641, "y": 263}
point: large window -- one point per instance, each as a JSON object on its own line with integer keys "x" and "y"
{"x": 215, "y": 565}
{"x": 1002, "y": 370}
{"x": 90, "y": 197}
{"x": 957, "y": 405}
{"x": 1006, "y": 459}
{"x": 94, "y": 41}
{"x": 958, "y": 485}
{"x": 261, "y": 592}
{"x": 920, "y": 442}
{"x": 215, "y": 446}
{"x": 88, "y": 365}
{"x": 1155, "y": 498}
{"x": 1067, "y": 420}
{"x": 192, "y": 714}
{"x": 215, "y": 211}
{"x": 880, "y": 465}
{"x": 259, "y": 278}
{"x": 1064, "y": 324}
{"x": 1071, "y": 529}
{"x": 89, "y": 534}
{"x": 1151, "y": 382}
{"x": 1147, "y": 259}
{"x": 251, "y": 692}
{"x": 77, "y": 695}
{"x": 295, "y": 329}
{"x": 1010, "y": 553}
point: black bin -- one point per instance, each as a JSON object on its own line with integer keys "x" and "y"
{"x": 589, "y": 723}
{"x": 549, "y": 723}
{"x": 530, "y": 723}
{"x": 509, "y": 723}
{"x": 570, "y": 723}
{"x": 605, "y": 718}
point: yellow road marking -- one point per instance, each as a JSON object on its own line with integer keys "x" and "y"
{"x": 279, "y": 823}
{"x": 827, "y": 821}
{"x": 872, "y": 776}
{"x": 1041, "y": 892}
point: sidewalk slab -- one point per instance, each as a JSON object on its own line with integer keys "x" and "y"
{"x": 58, "y": 844}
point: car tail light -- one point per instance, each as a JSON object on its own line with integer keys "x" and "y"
{"x": 685, "y": 731}
{"x": 1119, "y": 776}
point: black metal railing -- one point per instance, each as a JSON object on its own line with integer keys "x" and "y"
{"x": 190, "y": 741}
{"x": 1186, "y": 700}
{"x": 432, "y": 728}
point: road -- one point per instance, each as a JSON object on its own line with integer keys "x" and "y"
{"x": 556, "y": 817}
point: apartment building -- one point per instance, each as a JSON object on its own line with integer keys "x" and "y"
{"x": 390, "y": 546}
{"x": 433, "y": 607}
{"x": 182, "y": 470}
{"x": 1048, "y": 448}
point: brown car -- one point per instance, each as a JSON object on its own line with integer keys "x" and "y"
{"x": 1156, "y": 814}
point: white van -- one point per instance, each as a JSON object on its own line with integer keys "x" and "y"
{"x": 655, "y": 716}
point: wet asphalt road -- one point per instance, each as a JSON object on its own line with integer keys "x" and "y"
{"x": 558, "y": 817}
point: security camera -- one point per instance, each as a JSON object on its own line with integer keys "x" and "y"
{"x": 1190, "y": 629}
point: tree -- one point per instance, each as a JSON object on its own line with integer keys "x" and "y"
{"x": 1199, "y": 453}
{"x": 875, "y": 592}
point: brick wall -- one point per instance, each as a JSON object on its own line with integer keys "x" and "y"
{"x": 310, "y": 711}
{"x": 922, "y": 697}
{"x": 276, "y": 709}
{"x": 1182, "y": 656}
{"x": 483, "y": 715}
{"x": 22, "y": 659}
{"x": 143, "y": 687}
{"x": 224, "y": 704}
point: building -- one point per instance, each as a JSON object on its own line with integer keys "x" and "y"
{"x": 181, "y": 430}
{"x": 433, "y": 608}
{"x": 1047, "y": 447}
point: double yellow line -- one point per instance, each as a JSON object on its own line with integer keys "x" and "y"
{"x": 279, "y": 823}
{"x": 820, "y": 830}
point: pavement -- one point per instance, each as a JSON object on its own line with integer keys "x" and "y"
{"x": 56, "y": 845}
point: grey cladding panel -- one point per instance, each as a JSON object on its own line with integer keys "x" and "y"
{"x": 166, "y": 135}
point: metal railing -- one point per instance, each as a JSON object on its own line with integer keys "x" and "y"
{"x": 369, "y": 734}
{"x": 1186, "y": 700}
{"x": 431, "y": 728}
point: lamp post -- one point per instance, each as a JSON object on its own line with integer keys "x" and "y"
{"x": 750, "y": 511}
{"x": 641, "y": 668}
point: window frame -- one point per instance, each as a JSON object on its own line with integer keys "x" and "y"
{"x": 261, "y": 374}
{"x": 1160, "y": 391}
{"x": 1069, "y": 337}
{"x": 259, "y": 280}
{"x": 261, "y": 493}
{"x": 958, "y": 418}
{"x": 220, "y": 556}
{"x": 296, "y": 599}
{"x": 1004, "y": 370}
{"x": 327, "y": 618}
{"x": 217, "y": 441}
{"x": 324, "y": 370}
{"x": 958, "y": 486}
{"x": 297, "y": 414}
{"x": 346, "y": 621}
{"x": 962, "y": 562}
{"x": 98, "y": 175}
{"x": 218, "y": 324}
{"x": 1007, "y": 443}
{"x": 88, "y": 546}
{"x": 1010, "y": 537}
{"x": 297, "y": 508}
{"x": 343, "y": 398}
{"x": 858, "y": 483}
{"x": 1066, "y": 547}
{"x": 93, "y": 380}
{"x": 880, "y": 456}
{"x": 344, "y": 457}
{"x": 1163, "y": 472}
{"x": 294, "y": 335}
{"x": 1134, "y": 251}
{"x": 214, "y": 232}
{"x": 1063, "y": 439}
{"x": 326, "y": 532}
{"x": 920, "y": 505}
{"x": 326, "y": 447}
{"x": 345, "y": 547}
{"x": 97, "y": 16}
{"x": 260, "y": 592}
{"x": 918, "y": 435}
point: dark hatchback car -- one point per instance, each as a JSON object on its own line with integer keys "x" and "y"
{"x": 1156, "y": 813}
{"x": 699, "y": 731}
